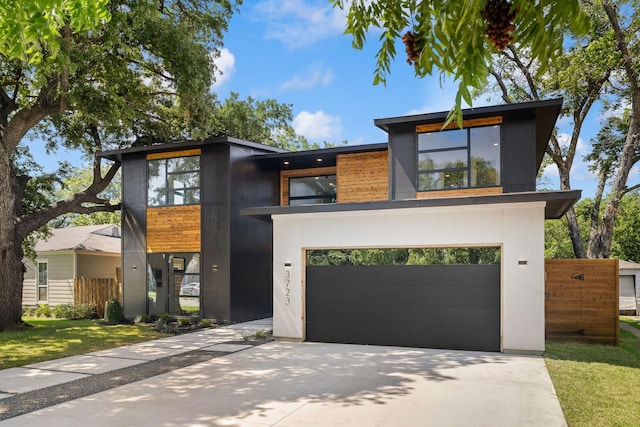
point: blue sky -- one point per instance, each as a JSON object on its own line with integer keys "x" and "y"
{"x": 294, "y": 51}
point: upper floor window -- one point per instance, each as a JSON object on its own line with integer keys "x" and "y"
{"x": 459, "y": 158}
{"x": 311, "y": 190}
{"x": 174, "y": 181}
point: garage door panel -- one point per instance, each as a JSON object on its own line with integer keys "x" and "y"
{"x": 438, "y": 306}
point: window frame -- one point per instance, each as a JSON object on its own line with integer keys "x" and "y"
{"x": 39, "y": 285}
{"x": 467, "y": 169}
{"x": 333, "y": 196}
{"x": 167, "y": 174}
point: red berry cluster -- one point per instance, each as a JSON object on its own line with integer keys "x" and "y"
{"x": 499, "y": 17}
{"x": 411, "y": 41}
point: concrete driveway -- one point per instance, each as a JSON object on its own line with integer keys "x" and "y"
{"x": 314, "y": 384}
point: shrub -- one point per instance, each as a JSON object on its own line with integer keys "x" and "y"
{"x": 75, "y": 312}
{"x": 114, "y": 313}
{"x": 184, "y": 321}
{"x": 165, "y": 317}
{"x": 165, "y": 326}
{"x": 28, "y": 311}
{"x": 43, "y": 310}
{"x": 261, "y": 333}
{"x": 142, "y": 318}
{"x": 205, "y": 323}
{"x": 63, "y": 311}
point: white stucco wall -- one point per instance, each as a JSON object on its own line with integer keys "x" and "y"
{"x": 517, "y": 227}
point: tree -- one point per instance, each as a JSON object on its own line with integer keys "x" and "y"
{"x": 94, "y": 76}
{"x": 623, "y": 28}
{"x": 581, "y": 74}
{"x": 626, "y": 233}
{"x": 589, "y": 71}
{"x": 458, "y": 37}
{"x": 265, "y": 121}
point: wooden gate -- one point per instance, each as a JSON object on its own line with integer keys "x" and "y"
{"x": 581, "y": 300}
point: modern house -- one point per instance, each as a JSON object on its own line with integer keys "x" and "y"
{"x": 434, "y": 239}
{"x": 91, "y": 251}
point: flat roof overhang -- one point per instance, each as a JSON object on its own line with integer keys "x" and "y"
{"x": 557, "y": 203}
{"x": 117, "y": 155}
{"x": 323, "y": 157}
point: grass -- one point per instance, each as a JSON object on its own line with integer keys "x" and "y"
{"x": 631, "y": 321}
{"x": 55, "y": 338}
{"x": 597, "y": 385}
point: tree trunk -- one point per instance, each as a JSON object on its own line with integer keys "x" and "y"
{"x": 11, "y": 267}
{"x": 572, "y": 220}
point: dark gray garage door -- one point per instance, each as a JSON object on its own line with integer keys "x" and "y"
{"x": 432, "y": 306}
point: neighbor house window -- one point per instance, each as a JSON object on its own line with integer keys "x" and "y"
{"x": 459, "y": 158}
{"x": 310, "y": 190}
{"x": 43, "y": 281}
{"x": 174, "y": 181}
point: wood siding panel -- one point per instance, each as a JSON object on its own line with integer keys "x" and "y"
{"x": 173, "y": 229}
{"x": 363, "y": 177}
{"x": 29, "y": 292}
{"x": 172, "y": 154}
{"x": 285, "y": 175}
{"x": 60, "y": 292}
{"x": 485, "y": 121}
{"x": 459, "y": 193}
{"x": 581, "y": 300}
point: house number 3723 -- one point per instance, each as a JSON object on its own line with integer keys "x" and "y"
{"x": 287, "y": 286}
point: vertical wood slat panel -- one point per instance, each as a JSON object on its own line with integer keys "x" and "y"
{"x": 95, "y": 291}
{"x": 363, "y": 177}
{"x": 173, "y": 229}
{"x": 581, "y": 300}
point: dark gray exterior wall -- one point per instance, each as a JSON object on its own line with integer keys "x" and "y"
{"x": 403, "y": 152}
{"x": 252, "y": 240}
{"x": 518, "y": 155}
{"x": 215, "y": 256}
{"x": 134, "y": 242}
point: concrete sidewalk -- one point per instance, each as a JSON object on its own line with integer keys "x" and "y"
{"x": 316, "y": 384}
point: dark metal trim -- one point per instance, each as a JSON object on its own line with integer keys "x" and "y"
{"x": 558, "y": 202}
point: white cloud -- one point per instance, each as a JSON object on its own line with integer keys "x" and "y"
{"x": 317, "y": 126}
{"x": 314, "y": 77}
{"x": 299, "y": 23}
{"x": 225, "y": 64}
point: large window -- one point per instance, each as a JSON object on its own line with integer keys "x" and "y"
{"x": 460, "y": 158}
{"x": 310, "y": 190}
{"x": 174, "y": 181}
{"x": 43, "y": 281}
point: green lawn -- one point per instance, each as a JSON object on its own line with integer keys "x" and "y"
{"x": 597, "y": 385}
{"x": 55, "y": 338}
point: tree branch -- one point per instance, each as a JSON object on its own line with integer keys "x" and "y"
{"x": 525, "y": 71}
{"x": 74, "y": 204}
{"x": 505, "y": 92}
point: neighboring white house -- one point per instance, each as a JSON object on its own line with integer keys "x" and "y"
{"x": 91, "y": 251}
{"x": 629, "y": 283}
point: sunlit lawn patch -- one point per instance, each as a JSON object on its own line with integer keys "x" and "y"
{"x": 597, "y": 385}
{"x": 55, "y": 338}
